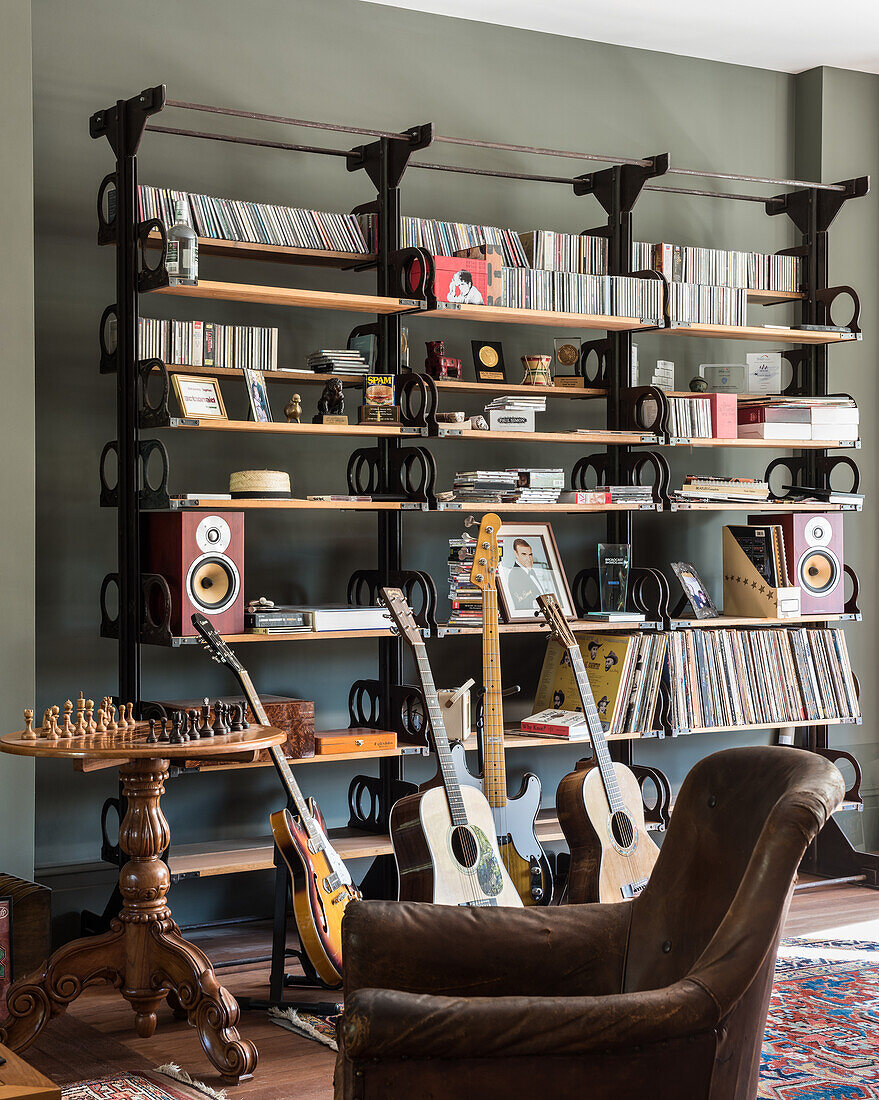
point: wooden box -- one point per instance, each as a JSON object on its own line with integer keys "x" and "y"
{"x": 294, "y": 716}
{"x": 30, "y": 924}
{"x": 354, "y": 740}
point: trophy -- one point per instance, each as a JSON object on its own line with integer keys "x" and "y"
{"x": 614, "y": 559}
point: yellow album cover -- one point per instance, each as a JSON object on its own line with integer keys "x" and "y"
{"x": 605, "y": 658}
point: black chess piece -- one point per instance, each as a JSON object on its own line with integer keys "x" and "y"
{"x": 152, "y": 736}
{"x": 237, "y": 724}
{"x": 193, "y": 730}
{"x": 163, "y": 736}
{"x": 205, "y": 728}
{"x": 219, "y": 726}
{"x": 176, "y": 735}
{"x": 228, "y": 716}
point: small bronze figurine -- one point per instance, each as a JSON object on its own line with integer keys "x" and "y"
{"x": 331, "y": 401}
{"x": 293, "y": 409}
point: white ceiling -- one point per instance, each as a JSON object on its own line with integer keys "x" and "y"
{"x": 786, "y": 35}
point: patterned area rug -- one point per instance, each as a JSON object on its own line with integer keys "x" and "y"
{"x": 140, "y": 1086}
{"x": 822, "y": 1038}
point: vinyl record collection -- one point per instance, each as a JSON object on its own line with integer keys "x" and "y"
{"x": 750, "y": 677}
{"x": 681, "y": 263}
{"x": 260, "y": 223}
{"x": 207, "y": 344}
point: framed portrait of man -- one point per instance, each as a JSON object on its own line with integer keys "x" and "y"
{"x": 530, "y": 566}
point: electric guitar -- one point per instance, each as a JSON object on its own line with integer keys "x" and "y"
{"x": 514, "y": 818}
{"x": 322, "y": 884}
{"x": 599, "y": 806}
{"x": 443, "y": 836}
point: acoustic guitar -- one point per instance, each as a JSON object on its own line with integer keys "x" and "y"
{"x": 514, "y": 818}
{"x": 322, "y": 884}
{"x": 599, "y": 806}
{"x": 443, "y": 836}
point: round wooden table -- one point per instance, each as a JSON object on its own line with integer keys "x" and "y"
{"x": 144, "y": 954}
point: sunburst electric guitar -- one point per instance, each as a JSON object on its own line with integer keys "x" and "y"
{"x": 514, "y": 818}
{"x": 600, "y": 807}
{"x": 443, "y": 836}
{"x": 322, "y": 884}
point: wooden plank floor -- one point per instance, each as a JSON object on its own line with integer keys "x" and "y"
{"x": 97, "y": 1035}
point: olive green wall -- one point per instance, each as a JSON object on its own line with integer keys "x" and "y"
{"x": 16, "y": 430}
{"x": 376, "y": 67}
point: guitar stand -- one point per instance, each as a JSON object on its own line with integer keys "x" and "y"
{"x": 280, "y": 979}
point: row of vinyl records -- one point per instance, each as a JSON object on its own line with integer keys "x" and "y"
{"x": 207, "y": 344}
{"x": 539, "y": 249}
{"x": 261, "y": 223}
{"x": 563, "y": 292}
{"x": 759, "y": 677}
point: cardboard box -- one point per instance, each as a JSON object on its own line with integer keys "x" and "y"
{"x": 511, "y": 420}
{"x": 724, "y": 409}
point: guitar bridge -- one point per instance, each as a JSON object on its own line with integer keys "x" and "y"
{"x": 633, "y": 889}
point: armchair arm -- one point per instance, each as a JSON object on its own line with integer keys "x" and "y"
{"x": 385, "y": 1024}
{"x": 571, "y": 951}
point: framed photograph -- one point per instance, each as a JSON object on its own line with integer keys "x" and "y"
{"x": 529, "y": 567}
{"x": 695, "y": 590}
{"x": 258, "y": 395}
{"x": 488, "y": 359}
{"x": 5, "y": 952}
{"x": 199, "y": 398}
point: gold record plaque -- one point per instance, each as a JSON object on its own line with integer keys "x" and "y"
{"x": 488, "y": 358}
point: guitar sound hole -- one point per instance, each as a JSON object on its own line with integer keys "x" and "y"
{"x": 622, "y": 829}
{"x": 464, "y": 846}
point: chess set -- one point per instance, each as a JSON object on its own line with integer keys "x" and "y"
{"x": 87, "y": 728}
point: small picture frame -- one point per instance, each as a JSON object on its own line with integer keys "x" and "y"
{"x": 258, "y": 395}
{"x": 199, "y": 398}
{"x": 695, "y": 590}
{"x": 566, "y": 355}
{"x": 529, "y": 567}
{"x": 488, "y": 359}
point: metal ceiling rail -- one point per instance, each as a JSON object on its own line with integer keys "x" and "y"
{"x": 248, "y": 141}
{"x": 477, "y": 143}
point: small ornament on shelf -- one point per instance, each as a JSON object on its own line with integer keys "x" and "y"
{"x": 439, "y": 365}
{"x": 293, "y": 409}
{"x": 331, "y": 404}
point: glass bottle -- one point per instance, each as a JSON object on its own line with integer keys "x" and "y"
{"x": 182, "y": 258}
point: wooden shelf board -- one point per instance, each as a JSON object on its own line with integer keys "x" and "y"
{"x": 276, "y": 428}
{"x": 298, "y": 377}
{"x": 768, "y": 726}
{"x": 454, "y": 385}
{"x": 582, "y": 438}
{"x": 506, "y": 315}
{"x": 291, "y": 296}
{"x": 300, "y": 636}
{"x": 469, "y": 506}
{"x": 773, "y": 444}
{"x": 770, "y": 297}
{"x": 736, "y": 620}
{"x": 331, "y": 758}
{"x": 759, "y": 506}
{"x": 759, "y": 332}
{"x": 213, "y": 503}
{"x": 274, "y": 253}
{"x": 540, "y": 627}
{"x": 515, "y": 739}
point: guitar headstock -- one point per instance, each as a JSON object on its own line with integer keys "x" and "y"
{"x": 486, "y": 554}
{"x": 556, "y": 620}
{"x": 401, "y": 614}
{"x": 214, "y": 644}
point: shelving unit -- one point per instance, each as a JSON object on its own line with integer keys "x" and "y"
{"x": 384, "y": 162}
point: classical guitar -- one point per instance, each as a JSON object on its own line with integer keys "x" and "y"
{"x": 599, "y": 806}
{"x": 443, "y": 836}
{"x": 322, "y": 884}
{"x": 514, "y": 817}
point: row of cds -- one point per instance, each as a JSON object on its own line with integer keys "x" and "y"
{"x": 695, "y": 303}
{"x": 688, "y": 416}
{"x": 516, "y": 486}
{"x": 755, "y": 677}
{"x": 447, "y": 238}
{"x": 207, "y": 344}
{"x": 682, "y": 263}
{"x": 551, "y": 251}
{"x": 255, "y": 222}
{"x": 564, "y": 292}
{"x": 466, "y": 598}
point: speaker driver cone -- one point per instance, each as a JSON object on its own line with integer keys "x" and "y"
{"x": 819, "y": 572}
{"x": 213, "y": 583}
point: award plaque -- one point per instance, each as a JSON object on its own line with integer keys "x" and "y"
{"x": 488, "y": 359}
{"x": 613, "y": 575}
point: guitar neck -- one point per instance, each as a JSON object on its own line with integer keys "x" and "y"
{"x": 280, "y": 761}
{"x": 596, "y": 732}
{"x": 494, "y": 769}
{"x": 440, "y": 737}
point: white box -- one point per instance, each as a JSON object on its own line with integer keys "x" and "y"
{"x": 725, "y": 377}
{"x": 764, "y": 372}
{"x": 511, "y": 420}
{"x": 762, "y": 430}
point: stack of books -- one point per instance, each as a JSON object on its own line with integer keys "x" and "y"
{"x": 207, "y": 344}
{"x": 256, "y": 222}
{"x": 830, "y": 419}
{"x": 466, "y": 598}
{"x": 759, "y": 677}
{"x": 341, "y": 361}
{"x": 749, "y": 490}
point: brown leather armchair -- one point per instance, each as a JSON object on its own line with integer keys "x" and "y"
{"x": 661, "y": 997}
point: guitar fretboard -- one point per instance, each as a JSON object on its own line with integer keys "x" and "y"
{"x": 599, "y": 742}
{"x": 440, "y": 737}
{"x": 494, "y": 780}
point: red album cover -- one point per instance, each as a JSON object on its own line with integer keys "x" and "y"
{"x": 5, "y": 952}
{"x": 460, "y": 282}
